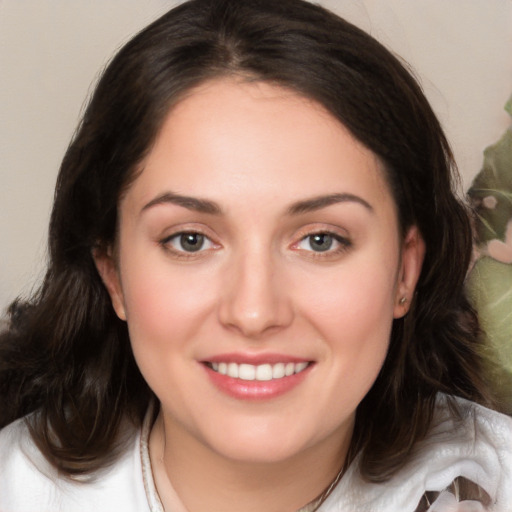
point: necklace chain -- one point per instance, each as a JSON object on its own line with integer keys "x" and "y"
{"x": 314, "y": 505}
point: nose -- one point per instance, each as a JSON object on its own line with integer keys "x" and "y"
{"x": 254, "y": 301}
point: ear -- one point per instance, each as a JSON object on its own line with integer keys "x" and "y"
{"x": 109, "y": 273}
{"x": 412, "y": 255}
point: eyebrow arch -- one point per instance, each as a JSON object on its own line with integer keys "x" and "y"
{"x": 191, "y": 203}
{"x": 317, "y": 203}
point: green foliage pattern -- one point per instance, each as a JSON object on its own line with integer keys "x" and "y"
{"x": 490, "y": 282}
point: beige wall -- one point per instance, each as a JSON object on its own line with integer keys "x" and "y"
{"x": 51, "y": 51}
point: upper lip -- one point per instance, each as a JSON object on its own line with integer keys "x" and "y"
{"x": 254, "y": 359}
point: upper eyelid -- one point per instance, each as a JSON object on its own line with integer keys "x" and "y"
{"x": 339, "y": 238}
{"x": 176, "y": 234}
{"x": 166, "y": 243}
{"x": 343, "y": 241}
{"x": 171, "y": 231}
{"x": 300, "y": 233}
{"x": 320, "y": 228}
{"x": 333, "y": 233}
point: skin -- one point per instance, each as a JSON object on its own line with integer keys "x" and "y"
{"x": 259, "y": 285}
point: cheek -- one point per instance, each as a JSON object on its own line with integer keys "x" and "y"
{"x": 164, "y": 307}
{"x": 352, "y": 313}
{"x": 165, "y": 314}
{"x": 362, "y": 297}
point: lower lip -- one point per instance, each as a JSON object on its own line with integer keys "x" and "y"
{"x": 256, "y": 389}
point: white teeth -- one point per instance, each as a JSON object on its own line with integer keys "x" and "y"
{"x": 260, "y": 372}
{"x": 247, "y": 372}
{"x": 233, "y": 370}
{"x": 278, "y": 371}
{"x": 300, "y": 366}
{"x": 264, "y": 372}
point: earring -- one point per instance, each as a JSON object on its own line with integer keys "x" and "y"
{"x": 402, "y": 301}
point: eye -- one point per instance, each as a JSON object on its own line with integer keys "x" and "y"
{"x": 323, "y": 242}
{"x": 188, "y": 242}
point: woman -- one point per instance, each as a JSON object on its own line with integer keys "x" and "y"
{"x": 254, "y": 298}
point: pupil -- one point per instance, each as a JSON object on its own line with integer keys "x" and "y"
{"x": 191, "y": 242}
{"x": 321, "y": 242}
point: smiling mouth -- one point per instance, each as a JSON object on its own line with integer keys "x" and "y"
{"x": 261, "y": 372}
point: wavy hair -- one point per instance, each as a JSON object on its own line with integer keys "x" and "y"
{"x": 66, "y": 357}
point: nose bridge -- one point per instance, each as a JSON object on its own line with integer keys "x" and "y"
{"x": 253, "y": 301}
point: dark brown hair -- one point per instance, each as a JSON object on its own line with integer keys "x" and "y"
{"x": 67, "y": 357}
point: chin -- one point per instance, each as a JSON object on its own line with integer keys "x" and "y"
{"x": 262, "y": 443}
{"x": 249, "y": 452}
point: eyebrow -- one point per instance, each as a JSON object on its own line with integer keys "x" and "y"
{"x": 298, "y": 208}
{"x": 191, "y": 203}
{"x": 319, "y": 202}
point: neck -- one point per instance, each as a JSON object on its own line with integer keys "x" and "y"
{"x": 206, "y": 481}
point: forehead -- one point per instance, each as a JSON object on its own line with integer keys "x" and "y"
{"x": 230, "y": 137}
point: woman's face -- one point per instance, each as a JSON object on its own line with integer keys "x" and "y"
{"x": 259, "y": 267}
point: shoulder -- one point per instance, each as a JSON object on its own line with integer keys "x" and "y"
{"x": 21, "y": 463}
{"x": 28, "y": 483}
{"x": 468, "y": 443}
{"x": 477, "y": 446}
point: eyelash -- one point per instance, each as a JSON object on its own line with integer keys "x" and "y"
{"x": 342, "y": 244}
{"x": 167, "y": 244}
